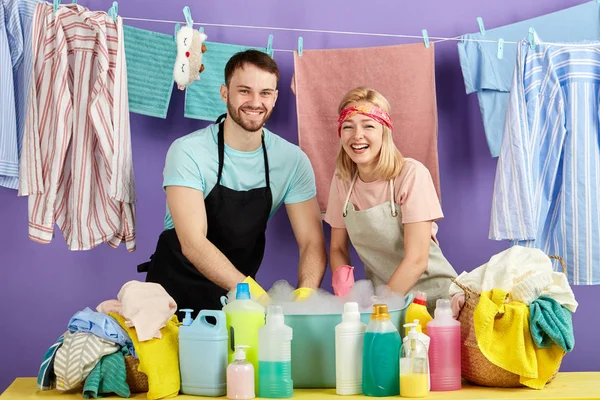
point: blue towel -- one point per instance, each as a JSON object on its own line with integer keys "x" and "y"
{"x": 150, "y": 59}
{"x": 101, "y": 325}
{"x": 203, "y": 98}
{"x": 46, "y": 378}
{"x": 550, "y": 322}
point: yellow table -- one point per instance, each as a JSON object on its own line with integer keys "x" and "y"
{"x": 567, "y": 385}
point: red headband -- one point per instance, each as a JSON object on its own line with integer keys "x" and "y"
{"x": 370, "y": 111}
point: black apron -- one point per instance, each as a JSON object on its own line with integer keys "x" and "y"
{"x": 236, "y": 222}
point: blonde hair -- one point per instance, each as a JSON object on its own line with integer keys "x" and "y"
{"x": 390, "y": 160}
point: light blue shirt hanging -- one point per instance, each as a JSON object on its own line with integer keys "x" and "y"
{"x": 203, "y": 98}
{"x": 548, "y": 176}
{"x": 18, "y": 16}
{"x": 491, "y": 77}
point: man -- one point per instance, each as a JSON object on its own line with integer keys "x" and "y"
{"x": 223, "y": 183}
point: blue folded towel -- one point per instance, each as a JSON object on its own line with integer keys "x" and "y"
{"x": 550, "y": 322}
{"x": 150, "y": 59}
{"x": 202, "y": 98}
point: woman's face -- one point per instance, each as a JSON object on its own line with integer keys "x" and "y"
{"x": 361, "y": 138}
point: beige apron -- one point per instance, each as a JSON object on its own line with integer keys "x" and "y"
{"x": 377, "y": 234}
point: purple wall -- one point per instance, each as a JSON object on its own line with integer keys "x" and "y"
{"x": 41, "y": 286}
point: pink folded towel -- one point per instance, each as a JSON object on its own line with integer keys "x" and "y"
{"x": 146, "y": 306}
{"x": 404, "y": 74}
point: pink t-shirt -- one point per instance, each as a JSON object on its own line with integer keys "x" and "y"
{"x": 414, "y": 192}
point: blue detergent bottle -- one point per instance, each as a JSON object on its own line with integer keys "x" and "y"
{"x": 203, "y": 353}
{"x": 381, "y": 351}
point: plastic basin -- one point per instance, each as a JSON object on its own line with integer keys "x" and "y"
{"x": 313, "y": 345}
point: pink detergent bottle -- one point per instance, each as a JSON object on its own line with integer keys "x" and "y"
{"x": 444, "y": 348}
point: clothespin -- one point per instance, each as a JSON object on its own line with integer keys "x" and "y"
{"x": 55, "y": 5}
{"x": 425, "y": 37}
{"x": 500, "y": 48}
{"x": 201, "y": 29}
{"x": 270, "y": 46}
{"x": 188, "y": 16}
{"x": 532, "y": 42}
{"x": 481, "y": 27}
{"x": 74, "y": 1}
{"x": 113, "y": 12}
{"x": 177, "y": 27}
{"x": 300, "y": 45}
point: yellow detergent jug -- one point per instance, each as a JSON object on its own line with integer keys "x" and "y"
{"x": 418, "y": 310}
{"x": 244, "y": 317}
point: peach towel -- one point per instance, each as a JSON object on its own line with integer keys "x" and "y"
{"x": 404, "y": 74}
{"x": 146, "y": 306}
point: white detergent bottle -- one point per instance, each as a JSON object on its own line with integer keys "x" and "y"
{"x": 240, "y": 376}
{"x": 349, "y": 341}
{"x": 275, "y": 356}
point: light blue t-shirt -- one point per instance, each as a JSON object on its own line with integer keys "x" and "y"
{"x": 193, "y": 161}
{"x": 491, "y": 77}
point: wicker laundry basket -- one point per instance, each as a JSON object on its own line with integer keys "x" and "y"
{"x": 137, "y": 381}
{"x": 475, "y": 367}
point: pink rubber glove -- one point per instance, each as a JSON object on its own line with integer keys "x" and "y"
{"x": 342, "y": 280}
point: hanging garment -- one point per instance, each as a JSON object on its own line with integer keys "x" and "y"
{"x": 548, "y": 176}
{"x": 377, "y": 234}
{"x": 404, "y": 74}
{"x": 150, "y": 59}
{"x": 9, "y": 153}
{"x": 491, "y": 76}
{"x": 18, "y": 15}
{"x": 236, "y": 223}
{"x": 203, "y": 98}
{"x": 76, "y": 164}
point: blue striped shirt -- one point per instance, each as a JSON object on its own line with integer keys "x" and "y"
{"x": 547, "y": 187}
{"x": 15, "y": 72}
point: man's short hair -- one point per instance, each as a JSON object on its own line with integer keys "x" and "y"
{"x": 257, "y": 58}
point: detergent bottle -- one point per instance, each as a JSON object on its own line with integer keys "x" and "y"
{"x": 414, "y": 365}
{"x": 203, "y": 353}
{"x": 381, "y": 350}
{"x": 275, "y": 356}
{"x": 240, "y": 376}
{"x": 423, "y": 338}
{"x": 444, "y": 348}
{"x": 349, "y": 342}
{"x": 418, "y": 310}
{"x": 244, "y": 318}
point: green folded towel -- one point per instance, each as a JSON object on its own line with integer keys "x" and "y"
{"x": 550, "y": 322}
{"x": 150, "y": 60}
{"x": 107, "y": 377}
{"x": 203, "y": 97}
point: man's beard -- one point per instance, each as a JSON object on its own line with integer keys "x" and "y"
{"x": 250, "y": 126}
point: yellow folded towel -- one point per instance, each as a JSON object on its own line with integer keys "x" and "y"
{"x": 159, "y": 359}
{"x": 503, "y": 336}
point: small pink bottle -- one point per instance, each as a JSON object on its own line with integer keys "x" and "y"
{"x": 444, "y": 349}
{"x": 240, "y": 376}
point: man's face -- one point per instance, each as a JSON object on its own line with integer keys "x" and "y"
{"x": 250, "y": 97}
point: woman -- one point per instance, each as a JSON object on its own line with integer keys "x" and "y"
{"x": 385, "y": 204}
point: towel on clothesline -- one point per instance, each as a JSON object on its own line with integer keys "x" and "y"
{"x": 404, "y": 74}
{"x": 203, "y": 98}
{"x": 150, "y": 59}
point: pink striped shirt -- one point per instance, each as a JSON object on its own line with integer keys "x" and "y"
{"x": 76, "y": 163}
